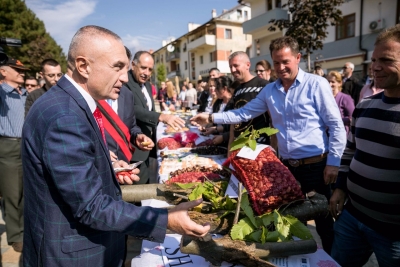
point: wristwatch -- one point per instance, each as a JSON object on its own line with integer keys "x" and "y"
{"x": 210, "y": 118}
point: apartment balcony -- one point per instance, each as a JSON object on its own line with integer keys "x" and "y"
{"x": 202, "y": 42}
{"x": 173, "y": 74}
{"x": 173, "y": 56}
{"x": 262, "y": 21}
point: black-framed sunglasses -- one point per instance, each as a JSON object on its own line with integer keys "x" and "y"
{"x": 257, "y": 71}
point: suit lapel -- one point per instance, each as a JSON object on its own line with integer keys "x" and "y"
{"x": 137, "y": 90}
{"x": 148, "y": 87}
{"x": 121, "y": 104}
{"x": 69, "y": 88}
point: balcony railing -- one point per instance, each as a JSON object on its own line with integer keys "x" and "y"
{"x": 263, "y": 20}
{"x": 205, "y": 40}
{"x": 174, "y": 73}
{"x": 173, "y": 56}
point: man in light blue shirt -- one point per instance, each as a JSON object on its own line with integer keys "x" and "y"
{"x": 311, "y": 137}
{"x": 12, "y": 104}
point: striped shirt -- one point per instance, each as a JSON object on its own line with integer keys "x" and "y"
{"x": 12, "y": 108}
{"x": 373, "y": 174}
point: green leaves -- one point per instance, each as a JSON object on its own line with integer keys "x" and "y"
{"x": 197, "y": 192}
{"x": 241, "y": 229}
{"x": 245, "y": 206}
{"x": 269, "y": 227}
{"x": 186, "y": 186}
{"x": 297, "y": 228}
{"x": 249, "y": 137}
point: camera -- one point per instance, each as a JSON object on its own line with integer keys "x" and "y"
{"x": 7, "y": 42}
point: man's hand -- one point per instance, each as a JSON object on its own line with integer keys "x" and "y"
{"x": 218, "y": 139}
{"x": 144, "y": 143}
{"x": 126, "y": 177}
{"x": 330, "y": 174}
{"x": 210, "y": 130}
{"x": 336, "y": 202}
{"x": 180, "y": 222}
{"x": 113, "y": 156}
{"x": 200, "y": 119}
{"x": 172, "y": 120}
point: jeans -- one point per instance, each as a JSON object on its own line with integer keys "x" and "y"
{"x": 311, "y": 177}
{"x": 354, "y": 243}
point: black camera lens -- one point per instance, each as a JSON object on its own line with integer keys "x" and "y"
{"x": 3, "y": 58}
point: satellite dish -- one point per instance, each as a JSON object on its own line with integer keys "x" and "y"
{"x": 170, "y": 48}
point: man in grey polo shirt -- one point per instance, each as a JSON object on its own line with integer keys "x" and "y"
{"x": 12, "y": 103}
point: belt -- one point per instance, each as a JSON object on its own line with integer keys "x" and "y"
{"x": 305, "y": 161}
{"x": 10, "y": 138}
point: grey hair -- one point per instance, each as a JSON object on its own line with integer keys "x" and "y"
{"x": 138, "y": 54}
{"x": 239, "y": 53}
{"x": 351, "y": 65}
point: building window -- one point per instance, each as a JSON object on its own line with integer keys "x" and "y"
{"x": 185, "y": 65}
{"x": 269, "y": 5}
{"x": 239, "y": 13}
{"x": 201, "y": 59}
{"x": 346, "y": 28}
{"x": 278, "y": 3}
{"x": 246, "y": 15}
{"x": 228, "y": 34}
{"x": 212, "y": 56}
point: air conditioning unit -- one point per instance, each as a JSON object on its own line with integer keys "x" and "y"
{"x": 377, "y": 25}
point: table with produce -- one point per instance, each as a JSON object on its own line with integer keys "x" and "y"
{"x": 254, "y": 205}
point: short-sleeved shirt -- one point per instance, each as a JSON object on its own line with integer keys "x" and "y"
{"x": 244, "y": 94}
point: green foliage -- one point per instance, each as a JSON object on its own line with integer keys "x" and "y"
{"x": 242, "y": 229}
{"x": 17, "y": 21}
{"x": 186, "y": 186}
{"x": 249, "y": 137}
{"x": 269, "y": 227}
{"x": 161, "y": 73}
{"x": 309, "y": 22}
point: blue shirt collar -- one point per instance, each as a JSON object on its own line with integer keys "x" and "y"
{"x": 8, "y": 88}
{"x": 299, "y": 79}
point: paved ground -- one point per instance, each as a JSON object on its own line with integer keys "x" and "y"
{"x": 10, "y": 258}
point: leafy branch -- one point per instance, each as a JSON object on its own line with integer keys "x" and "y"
{"x": 269, "y": 227}
{"x": 249, "y": 137}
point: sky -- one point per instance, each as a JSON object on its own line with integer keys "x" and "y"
{"x": 142, "y": 25}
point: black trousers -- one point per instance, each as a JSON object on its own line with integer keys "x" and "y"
{"x": 11, "y": 188}
{"x": 311, "y": 177}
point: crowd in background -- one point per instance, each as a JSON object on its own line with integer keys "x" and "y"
{"x": 224, "y": 106}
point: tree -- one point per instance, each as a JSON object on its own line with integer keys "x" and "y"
{"x": 161, "y": 73}
{"x": 308, "y": 23}
{"x": 18, "y": 21}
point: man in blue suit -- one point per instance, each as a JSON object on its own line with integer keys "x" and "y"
{"x": 74, "y": 213}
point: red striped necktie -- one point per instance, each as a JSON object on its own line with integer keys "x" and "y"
{"x": 99, "y": 119}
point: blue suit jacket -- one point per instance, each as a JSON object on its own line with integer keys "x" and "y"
{"x": 74, "y": 214}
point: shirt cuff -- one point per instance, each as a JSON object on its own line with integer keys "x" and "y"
{"x": 333, "y": 160}
{"x": 217, "y": 118}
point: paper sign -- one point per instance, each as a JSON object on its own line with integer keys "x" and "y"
{"x": 232, "y": 190}
{"x": 155, "y": 203}
{"x": 172, "y": 256}
{"x": 199, "y": 140}
{"x": 248, "y": 153}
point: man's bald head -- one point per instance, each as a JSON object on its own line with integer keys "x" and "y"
{"x": 98, "y": 62}
{"x": 85, "y": 40}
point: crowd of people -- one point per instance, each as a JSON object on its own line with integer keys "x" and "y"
{"x": 62, "y": 136}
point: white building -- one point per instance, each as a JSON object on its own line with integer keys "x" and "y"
{"x": 352, "y": 40}
{"x": 205, "y": 46}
